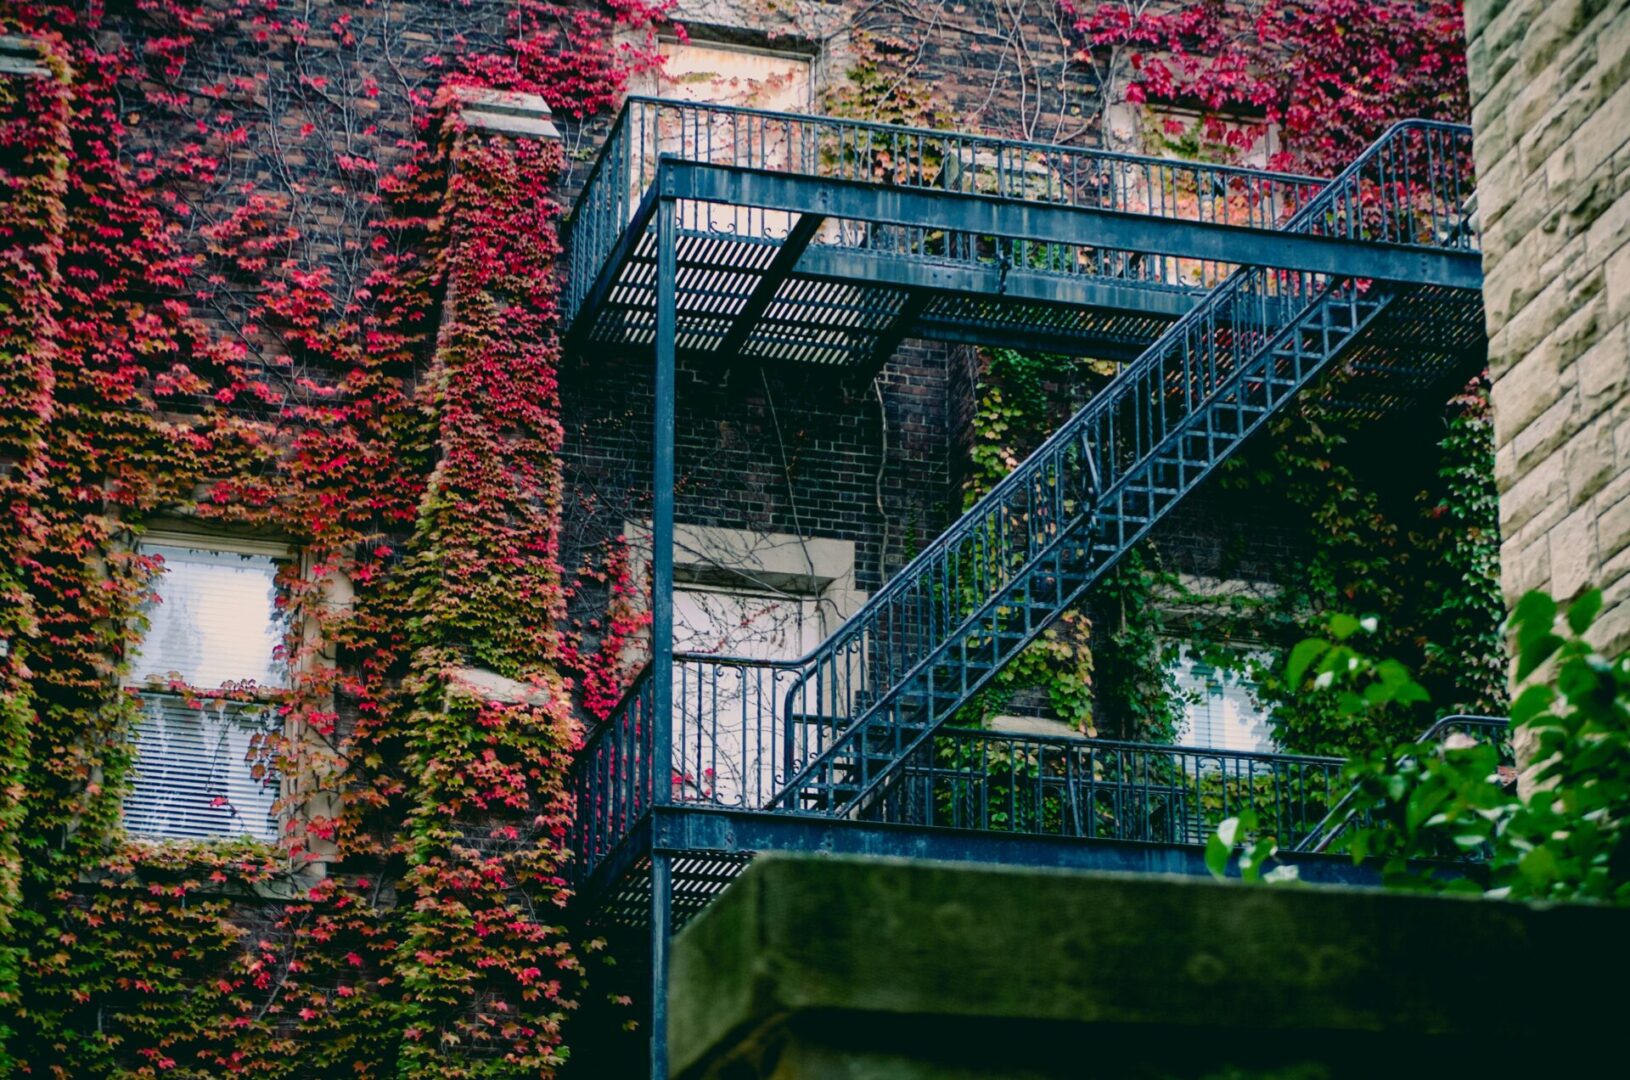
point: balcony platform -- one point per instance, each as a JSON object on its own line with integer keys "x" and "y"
{"x": 813, "y": 241}
{"x": 982, "y": 796}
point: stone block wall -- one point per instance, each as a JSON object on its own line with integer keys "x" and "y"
{"x": 1550, "y": 82}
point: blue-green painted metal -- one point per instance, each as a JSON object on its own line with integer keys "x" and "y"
{"x": 1345, "y": 814}
{"x": 1014, "y": 243}
{"x": 895, "y": 157}
{"x": 797, "y": 239}
{"x": 835, "y": 734}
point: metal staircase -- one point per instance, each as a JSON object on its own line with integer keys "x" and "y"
{"x": 718, "y": 233}
{"x": 1376, "y": 268}
{"x": 982, "y": 591}
{"x": 730, "y": 235}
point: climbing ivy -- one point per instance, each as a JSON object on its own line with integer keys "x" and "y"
{"x": 1425, "y": 558}
{"x": 1137, "y": 695}
{"x": 359, "y": 357}
{"x": 1018, "y": 404}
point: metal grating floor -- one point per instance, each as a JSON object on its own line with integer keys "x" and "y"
{"x": 698, "y": 879}
{"x": 1421, "y": 344}
{"x": 841, "y": 323}
{"x": 1425, "y": 345}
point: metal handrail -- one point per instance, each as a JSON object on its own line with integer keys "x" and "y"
{"x": 991, "y": 781}
{"x": 928, "y": 133}
{"x": 1319, "y": 839}
{"x": 1106, "y": 457}
{"x": 648, "y": 129}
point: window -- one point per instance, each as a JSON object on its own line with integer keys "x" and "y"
{"x": 214, "y": 638}
{"x": 753, "y": 596}
{"x": 728, "y": 74}
{"x": 732, "y": 74}
{"x": 746, "y": 622}
{"x": 1219, "y": 706}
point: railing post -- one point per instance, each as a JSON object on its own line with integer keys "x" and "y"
{"x": 662, "y": 506}
{"x": 662, "y": 624}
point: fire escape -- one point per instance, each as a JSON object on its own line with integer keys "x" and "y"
{"x": 717, "y": 232}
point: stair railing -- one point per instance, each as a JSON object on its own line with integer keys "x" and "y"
{"x": 785, "y": 714}
{"x": 1491, "y": 729}
{"x": 1402, "y": 190}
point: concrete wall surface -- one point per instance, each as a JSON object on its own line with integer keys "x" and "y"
{"x": 874, "y": 968}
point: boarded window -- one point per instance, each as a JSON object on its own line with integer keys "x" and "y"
{"x": 732, "y": 75}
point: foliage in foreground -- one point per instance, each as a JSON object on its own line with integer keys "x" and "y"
{"x": 1563, "y": 834}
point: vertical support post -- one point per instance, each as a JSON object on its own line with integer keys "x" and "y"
{"x": 661, "y": 920}
{"x": 662, "y": 623}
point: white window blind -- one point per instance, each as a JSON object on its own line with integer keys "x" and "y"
{"x": 1220, "y": 711}
{"x": 213, "y": 623}
{"x": 193, "y": 778}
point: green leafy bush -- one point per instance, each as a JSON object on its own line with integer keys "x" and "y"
{"x": 1449, "y": 816}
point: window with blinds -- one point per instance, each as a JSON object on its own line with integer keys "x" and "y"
{"x": 213, "y": 624}
{"x": 213, "y": 621}
{"x": 195, "y": 775}
{"x": 1220, "y": 709}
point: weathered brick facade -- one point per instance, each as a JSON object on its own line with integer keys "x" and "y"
{"x": 1550, "y": 83}
{"x": 775, "y": 449}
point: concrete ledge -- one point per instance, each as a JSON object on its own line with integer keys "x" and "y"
{"x": 509, "y": 112}
{"x": 839, "y": 967}
{"x": 21, "y": 56}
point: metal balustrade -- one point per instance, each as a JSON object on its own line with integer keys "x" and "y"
{"x": 612, "y": 785}
{"x": 1327, "y": 832}
{"x": 835, "y": 733}
{"x": 990, "y": 781}
{"x": 649, "y": 129}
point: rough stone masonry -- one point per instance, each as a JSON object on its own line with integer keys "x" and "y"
{"x": 1550, "y": 84}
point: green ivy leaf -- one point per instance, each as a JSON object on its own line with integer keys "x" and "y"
{"x": 1538, "y": 866}
{"x": 1534, "y": 652}
{"x": 1303, "y": 657}
{"x": 1534, "y": 615}
{"x": 1532, "y": 702}
{"x": 1220, "y": 846}
{"x": 1583, "y": 611}
{"x": 1343, "y": 626}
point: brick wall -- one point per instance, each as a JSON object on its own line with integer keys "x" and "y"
{"x": 773, "y": 449}
{"x": 1550, "y": 83}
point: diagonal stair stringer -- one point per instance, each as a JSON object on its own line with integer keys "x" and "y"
{"x": 861, "y": 759}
